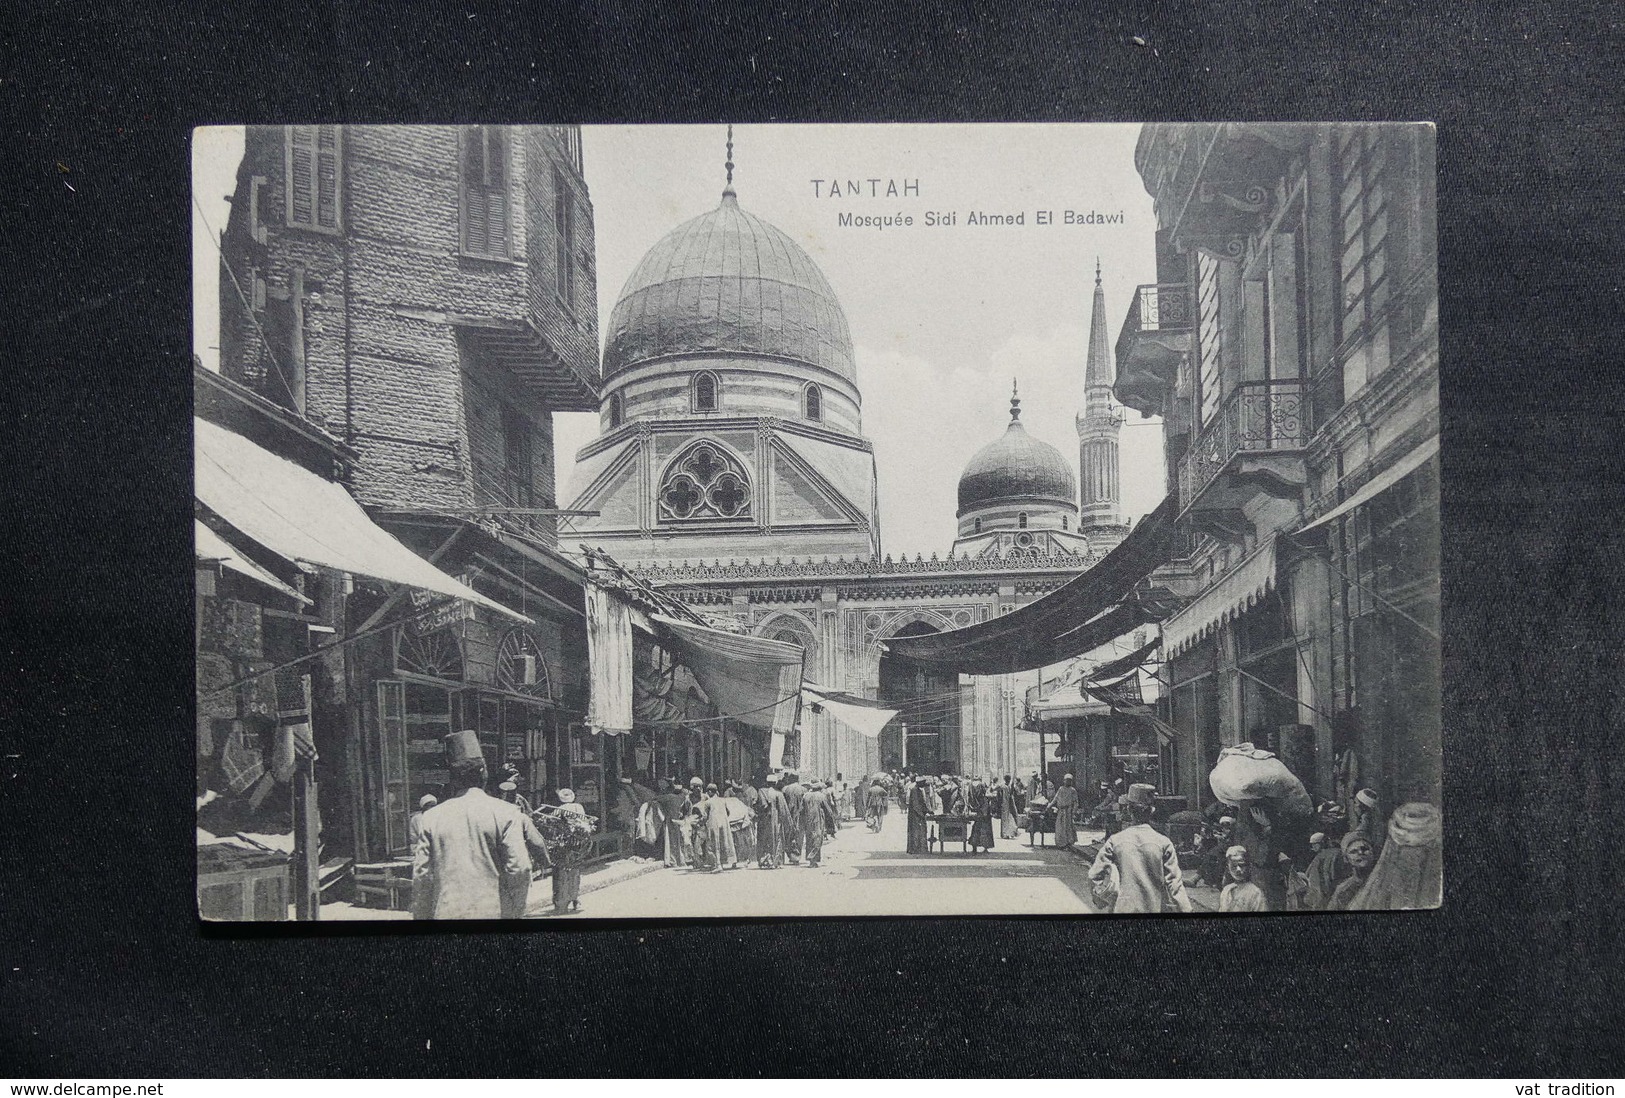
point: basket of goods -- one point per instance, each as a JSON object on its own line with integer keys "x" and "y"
{"x": 568, "y": 834}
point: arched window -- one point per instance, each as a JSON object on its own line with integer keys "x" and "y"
{"x": 438, "y": 654}
{"x": 520, "y": 666}
{"x": 978, "y": 526}
{"x": 1063, "y": 523}
{"x": 617, "y": 412}
{"x": 705, "y": 392}
{"x": 706, "y": 482}
{"x": 814, "y": 402}
{"x": 1021, "y": 520}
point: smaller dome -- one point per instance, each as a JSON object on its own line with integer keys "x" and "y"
{"x": 1016, "y": 466}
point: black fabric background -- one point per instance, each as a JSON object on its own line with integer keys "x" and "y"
{"x": 103, "y": 967}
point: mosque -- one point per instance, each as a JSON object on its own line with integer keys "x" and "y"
{"x": 732, "y": 472}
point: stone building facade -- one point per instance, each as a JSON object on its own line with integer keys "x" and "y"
{"x": 1291, "y": 347}
{"x": 426, "y": 296}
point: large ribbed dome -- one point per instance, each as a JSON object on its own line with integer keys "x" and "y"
{"x": 1016, "y": 466}
{"x": 727, "y": 281}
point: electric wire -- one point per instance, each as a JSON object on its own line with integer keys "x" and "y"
{"x": 316, "y": 653}
{"x": 1391, "y": 606}
{"x": 270, "y": 353}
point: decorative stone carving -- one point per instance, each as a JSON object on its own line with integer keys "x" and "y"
{"x": 706, "y": 482}
{"x": 1241, "y": 196}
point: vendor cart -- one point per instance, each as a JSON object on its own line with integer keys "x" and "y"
{"x": 949, "y": 829}
{"x": 1040, "y": 821}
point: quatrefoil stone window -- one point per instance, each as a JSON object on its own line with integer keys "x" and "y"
{"x": 707, "y": 483}
{"x": 681, "y": 496}
{"x": 727, "y": 494}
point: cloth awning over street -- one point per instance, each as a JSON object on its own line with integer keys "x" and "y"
{"x": 754, "y": 680}
{"x": 1066, "y": 701}
{"x": 857, "y": 713}
{"x": 1124, "y": 664}
{"x": 211, "y": 547}
{"x": 1380, "y": 483}
{"x": 1047, "y": 630}
{"x": 1234, "y": 593}
{"x": 303, "y": 518}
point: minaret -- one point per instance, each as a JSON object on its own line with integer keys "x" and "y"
{"x": 1098, "y": 425}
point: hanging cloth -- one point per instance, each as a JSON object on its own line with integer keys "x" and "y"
{"x": 609, "y": 662}
{"x": 861, "y": 715}
{"x": 754, "y": 680}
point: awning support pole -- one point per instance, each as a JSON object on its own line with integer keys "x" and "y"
{"x": 400, "y": 592}
{"x": 1326, "y": 560}
{"x": 307, "y": 855}
{"x": 1282, "y": 693}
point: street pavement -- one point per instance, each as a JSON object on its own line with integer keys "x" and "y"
{"x": 863, "y": 873}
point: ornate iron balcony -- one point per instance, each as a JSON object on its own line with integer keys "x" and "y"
{"x": 1259, "y": 416}
{"x": 1154, "y": 337}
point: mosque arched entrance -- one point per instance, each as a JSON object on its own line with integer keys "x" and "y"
{"x": 928, "y": 704}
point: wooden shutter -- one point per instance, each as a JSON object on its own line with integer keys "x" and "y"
{"x": 314, "y": 171}
{"x": 301, "y": 174}
{"x": 475, "y": 235}
{"x": 327, "y": 177}
{"x": 392, "y": 765}
{"x": 564, "y": 231}
{"x": 496, "y": 189}
{"x": 485, "y": 191}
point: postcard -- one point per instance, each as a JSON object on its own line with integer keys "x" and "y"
{"x": 674, "y": 522}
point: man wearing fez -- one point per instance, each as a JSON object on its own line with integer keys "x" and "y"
{"x": 470, "y": 861}
{"x": 1138, "y": 865}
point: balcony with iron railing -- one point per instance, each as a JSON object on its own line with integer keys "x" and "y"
{"x": 1252, "y": 446}
{"x": 1156, "y": 335}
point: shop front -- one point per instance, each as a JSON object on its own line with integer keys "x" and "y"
{"x": 499, "y": 679}
{"x": 1194, "y": 714}
{"x": 1385, "y": 562}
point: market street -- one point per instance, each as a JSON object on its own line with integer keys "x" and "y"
{"x": 1232, "y": 638}
{"x": 864, "y": 874}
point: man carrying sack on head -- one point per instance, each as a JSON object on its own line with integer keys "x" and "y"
{"x": 1137, "y": 869}
{"x": 470, "y": 861}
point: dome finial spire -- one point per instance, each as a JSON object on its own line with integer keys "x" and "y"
{"x": 1015, "y": 402}
{"x": 1097, "y": 270}
{"x": 728, "y": 191}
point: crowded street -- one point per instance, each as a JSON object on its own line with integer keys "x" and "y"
{"x": 863, "y": 873}
{"x": 438, "y": 679}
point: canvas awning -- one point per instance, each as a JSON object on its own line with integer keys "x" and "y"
{"x": 1380, "y": 483}
{"x": 303, "y": 518}
{"x": 1046, "y": 631}
{"x": 861, "y": 715}
{"x": 1126, "y": 663}
{"x": 1234, "y": 593}
{"x": 754, "y": 680}
{"x": 211, "y": 547}
{"x": 1066, "y": 701}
